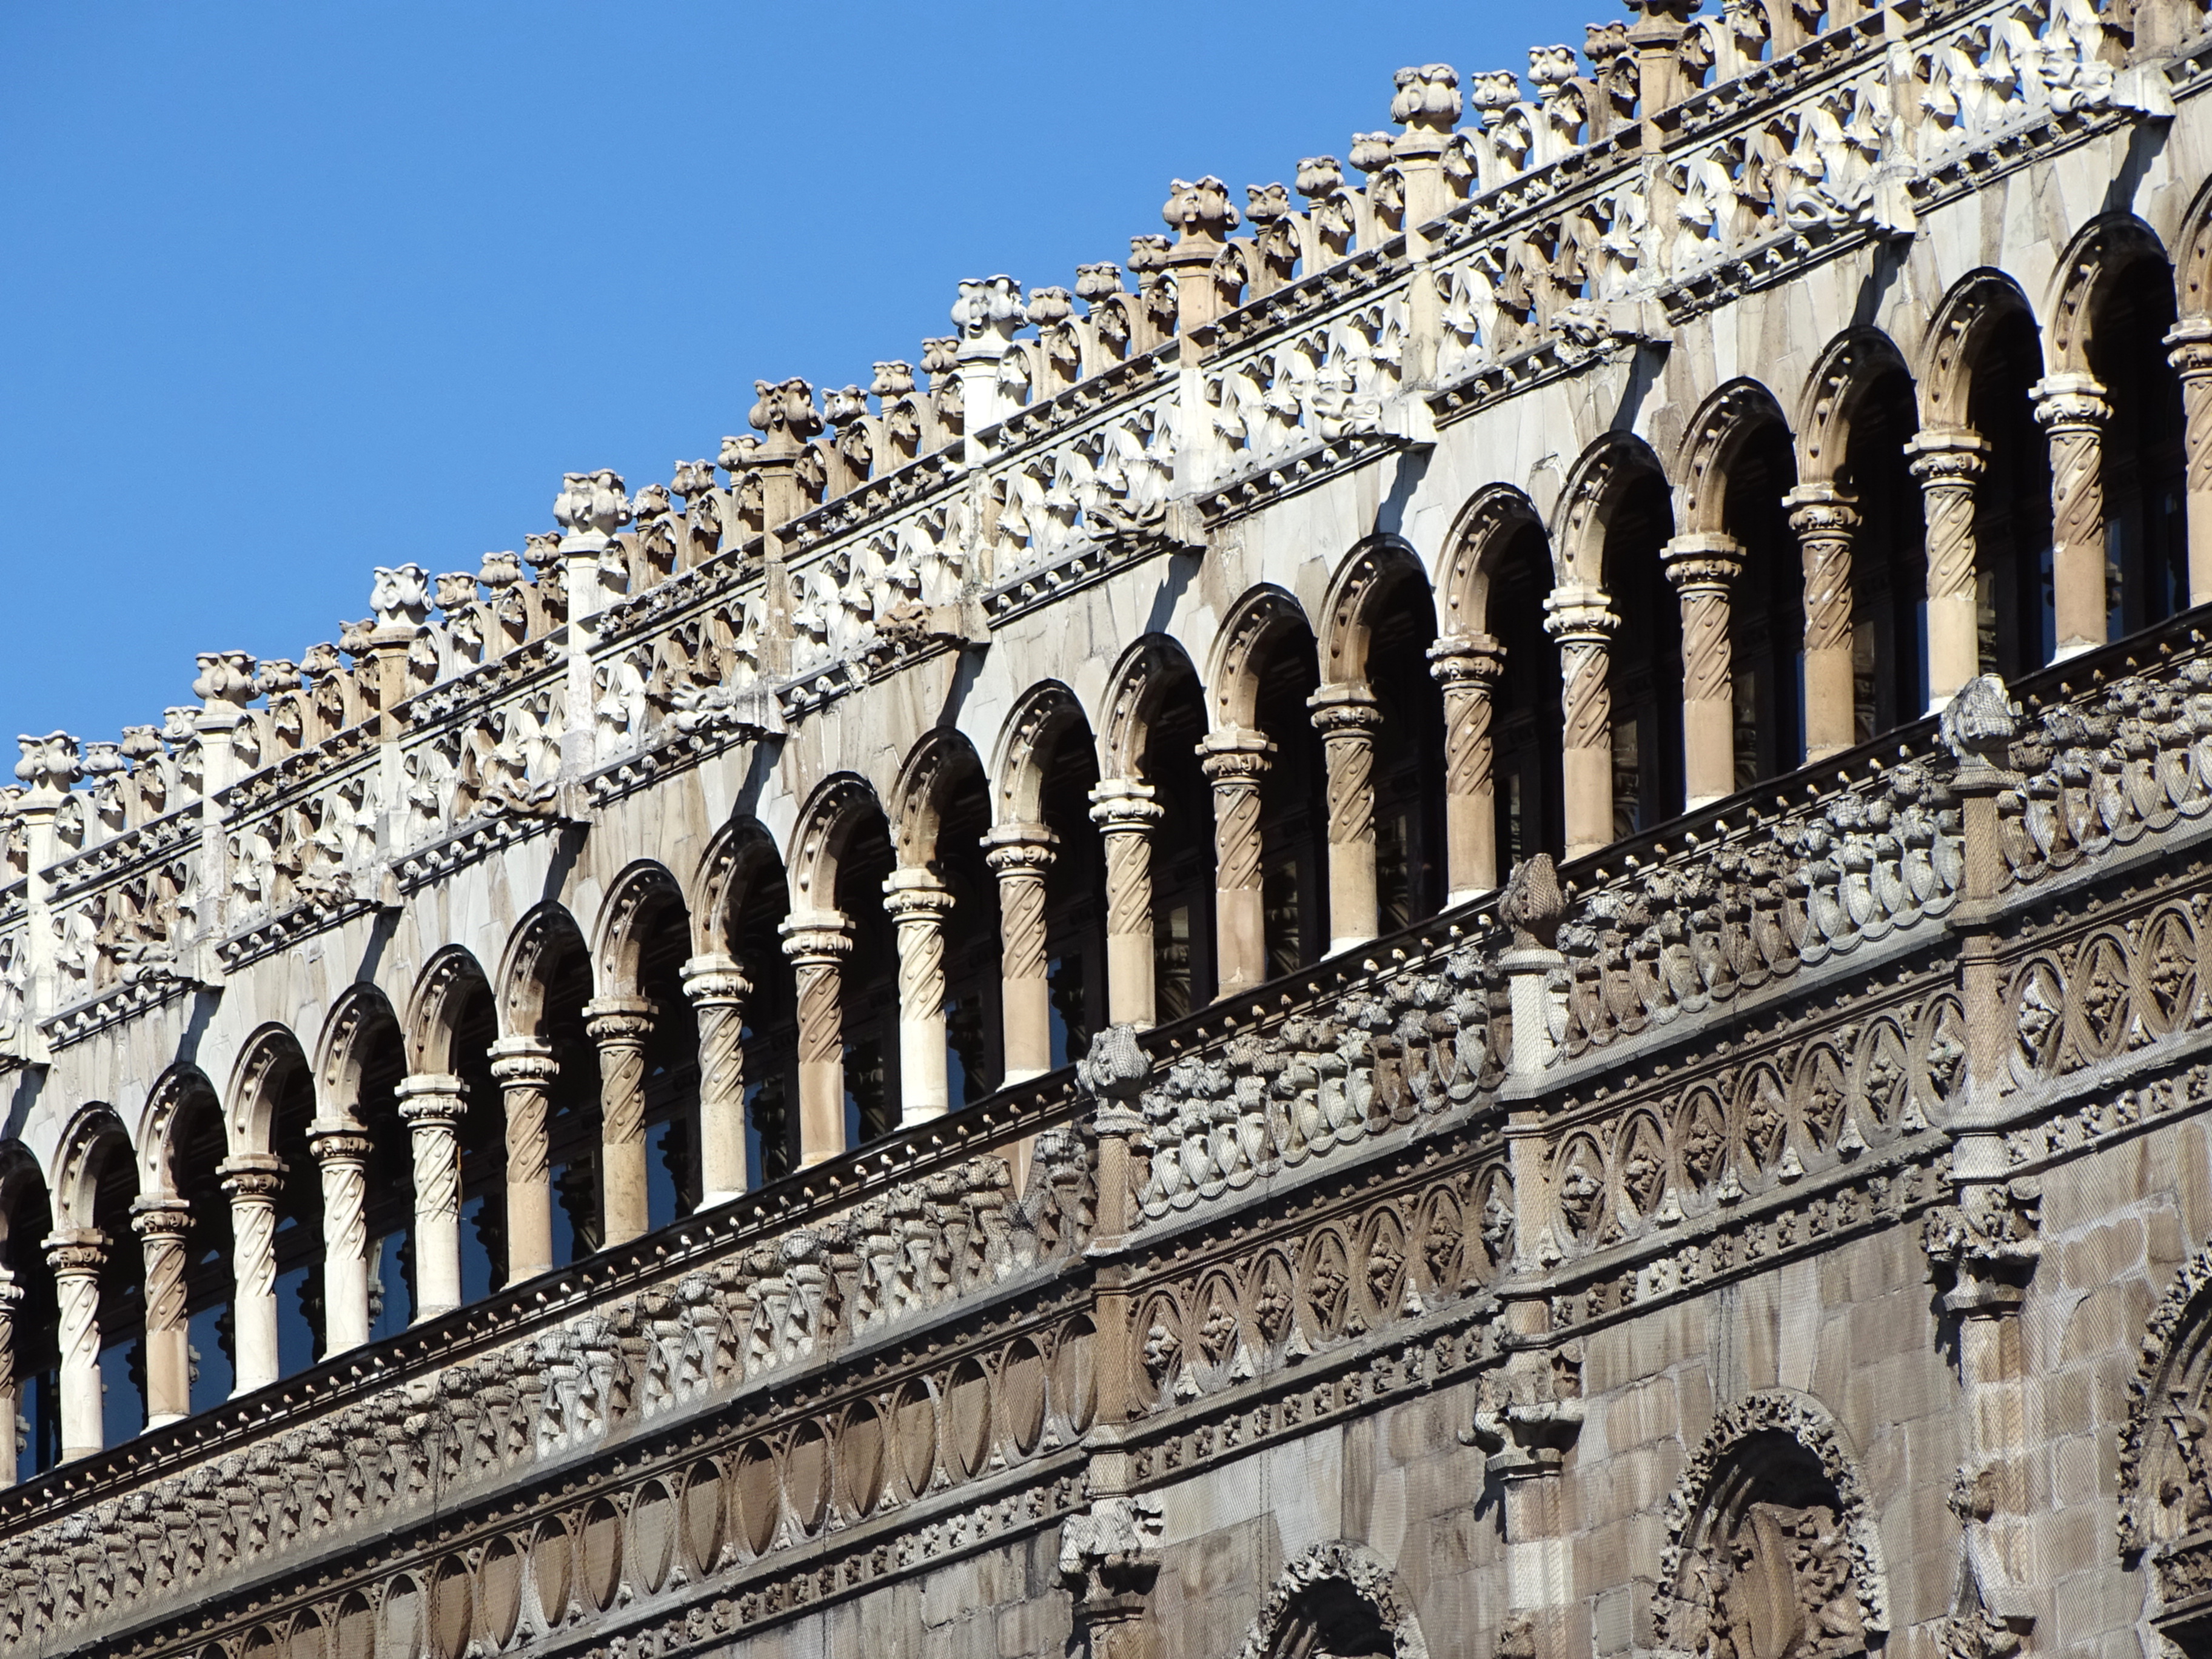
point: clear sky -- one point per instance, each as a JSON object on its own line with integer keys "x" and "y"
{"x": 298, "y": 289}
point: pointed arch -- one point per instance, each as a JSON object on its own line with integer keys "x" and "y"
{"x": 638, "y": 902}
{"x": 742, "y": 854}
{"x": 1255, "y": 623}
{"x": 1852, "y": 364}
{"x": 1724, "y": 424}
{"x": 1045, "y": 713}
{"x": 272, "y": 1059}
{"x": 942, "y": 761}
{"x": 94, "y": 1135}
{"x": 1338, "y": 1597}
{"x": 1977, "y": 304}
{"x": 1375, "y": 571}
{"x": 840, "y": 804}
{"x": 361, "y": 1015}
{"x": 2102, "y": 251}
{"x": 1147, "y": 671}
{"x": 1600, "y": 478}
{"x": 1489, "y": 524}
{"x": 540, "y": 940}
{"x": 436, "y": 1005}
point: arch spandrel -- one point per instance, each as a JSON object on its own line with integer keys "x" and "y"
{"x": 2103, "y": 249}
{"x": 1851, "y": 363}
{"x": 838, "y": 805}
{"x": 94, "y": 1133}
{"x": 1255, "y": 622}
{"x": 1375, "y": 568}
{"x": 542, "y": 936}
{"x": 741, "y": 853}
{"x": 641, "y": 893}
{"x": 269, "y": 1057}
{"x": 1487, "y": 526}
{"x": 1144, "y": 672}
{"x": 361, "y": 1011}
{"x": 1038, "y": 720}
{"x": 1977, "y": 304}
{"x": 938, "y": 763}
{"x": 1592, "y": 493}
{"x": 155, "y": 1143}
{"x": 1716, "y": 436}
{"x": 434, "y": 1007}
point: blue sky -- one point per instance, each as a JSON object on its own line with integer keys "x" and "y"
{"x": 300, "y": 289}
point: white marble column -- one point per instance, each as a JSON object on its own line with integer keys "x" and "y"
{"x": 2190, "y": 353}
{"x": 524, "y": 1068}
{"x": 2072, "y": 410}
{"x": 76, "y": 1259}
{"x": 1949, "y": 464}
{"x": 1347, "y": 717}
{"x": 619, "y": 1026}
{"x": 818, "y": 945}
{"x": 252, "y": 1182}
{"x": 719, "y": 989}
{"x": 1126, "y": 814}
{"x": 1234, "y": 761}
{"x": 164, "y": 1226}
{"x": 1469, "y": 666}
{"x": 432, "y": 1104}
{"x": 1582, "y": 620}
{"x": 919, "y": 904}
{"x": 1827, "y": 526}
{"x": 341, "y": 1150}
{"x": 1019, "y": 854}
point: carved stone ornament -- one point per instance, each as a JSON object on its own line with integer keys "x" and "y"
{"x": 1772, "y": 1549}
{"x": 590, "y": 508}
{"x": 1979, "y": 723}
{"x": 1336, "y": 1598}
{"x": 1532, "y": 903}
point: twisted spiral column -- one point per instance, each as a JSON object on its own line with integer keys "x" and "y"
{"x": 2072, "y": 410}
{"x": 2190, "y": 352}
{"x": 163, "y": 1226}
{"x": 11, "y": 1293}
{"x": 432, "y": 1103}
{"x": 1234, "y": 761}
{"x": 341, "y": 1153}
{"x": 919, "y": 903}
{"x": 718, "y": 989}
{"x": 253, "y": 1181}
{"x": 1126, "y": 812}
{"x": 1827, "y": 526}
{"x": 619, "y": 1026}
{"x": 76, "y": 1259}
{"x": 818, "y": 943}
{"x": 1469, "y": 668}
{"x": 1949, "y": 464}
{"x": 524, "y": 1068}
{"x": 1704, "y": 568}
{"x": 1579, "y": 619}
{"x": 1347, "y": 718}
{"x": 1019, "y": 854}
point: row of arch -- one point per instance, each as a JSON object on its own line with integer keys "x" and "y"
{"x": 1664, "y": 637}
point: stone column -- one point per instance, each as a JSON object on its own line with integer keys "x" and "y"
{"x": 163, "y": 1226}
{"x": 432, "y": 1102}
{"x": 524, "y": 1068}
{"x": 1468, "y": 666}
{"x": 76, "y": 1259}
{"x": 1949, "y": 464}
{"x": 718, "y": 988}
{"x": 1110, "y": 1559}
{"x": 1348, "y": 718}
{"x": 1234, "y": 761}
{"x": 1827, "y": 526}
{"x": 340, "y": 1151}
{"x": 919, "y": 903}
{"x": 11, "y": 1293}
{"x": 818, "y": 943}
{"x": 1704, "y": 568}
{"x": 2191, "y": 354}
{"x": 619, "y": 1026}
{"x": 2072, "y": 410}
{"x": 1580, "y": 620}
{"x": 252, "y": 1182}
{"x": 1125, "y": 812}
{"x": 1019, "y": 854}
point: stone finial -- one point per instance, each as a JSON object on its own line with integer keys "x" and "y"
{"x": 591, "y": 507}
{"x": 843, "y": 406}
{"x": 738, "y": 452}
{"x": 1200, "y": 213}
{"x": 1371, "y": 151}
{"x": 541, "y": 552}
{"x": 1047, "y": 305}
{"x": 277, "y": 675}
{"x": 500, "y": 571}
{"x": 1494, "y": 91}
{"x": 693, "y": 478}
{"x": 1148, "y": 254}
{"x": 225, "y": 680}
{"x": 1979, "y": 724}
{"x": 1427, "y": 98}
{"x": 49, "y": 767}
{"x": 986, "y": 313}
{"x": 1676, "y": 12}
{"x": 1097, "y": 282}
{"x": 401, "y": 596}
{"x": 141, "y": 742}
{"x": 1117, "y": 1066}
{"x": 1532, "y": 903}
{"x": 456, "y": 590}
{"x": 317, "y": 662}
{"x": 654, "y": 502}
{"x": 1551, "y": 68}
{"x": 1319, "y": 175}
{"x": 893, "y": 379}
{"x": 1265, "y": 205}
{"x": 1603, "y": 42}
{"x": 783, "y": 412}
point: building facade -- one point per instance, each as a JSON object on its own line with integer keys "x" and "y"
{"x": 1460, "y": 919}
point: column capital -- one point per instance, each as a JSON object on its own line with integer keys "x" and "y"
{"x": 251, "y": 1175}
{"x": 1467, "y": 660}
{"x": 715, "y": 979}
{"x": 1821, "y": 509}
{"x": 1015, "y": 848}
{"x": 620, "y": 1019}
{"x": 79, "y": 1253}
{"x": 1123, "y": 805}
{"x": 1235, "y": 752}
{"x": 1702, "y": 561}
{"x": 1947, "y": 454}
{"x": 522, "y": 1060}
{"x": 1578, "y": 615}
{"x": 915, "y": 893}
{"x": 2189, "y": 346}
{"x": 2070, "y": 401}
{"x": 1344, "y": 705}
{"x": 816, "y": 938}
{"x": 432, "y": 1097}
{"x": 160, "y": 1218}
{"x": 337, "y": 1140}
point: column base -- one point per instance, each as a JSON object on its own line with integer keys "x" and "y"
{"x": 154, "y": 1420}
{"x": 1350, "y": 942}
{"x": 712, "y": 1200}
{"x": 1024, "y": 1073}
